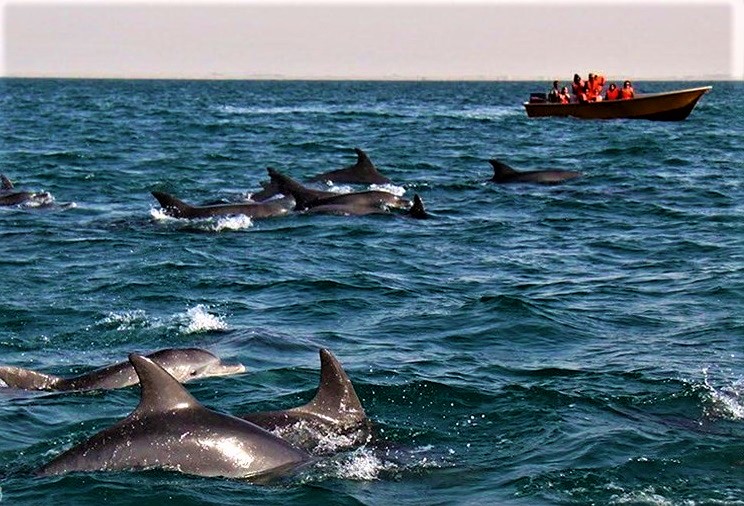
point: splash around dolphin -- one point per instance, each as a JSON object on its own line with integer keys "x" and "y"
{"x": 334, "y": 417}
{"x": 178, "y": 209}
{"x": 184, "y": 364}
{"x": 502, "y": 173}
{"x": 171, "y": 430}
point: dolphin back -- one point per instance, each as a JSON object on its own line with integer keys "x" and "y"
{"x": 18, "y": 377}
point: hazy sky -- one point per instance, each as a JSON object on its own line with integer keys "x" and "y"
{"x": 397, "y": 39}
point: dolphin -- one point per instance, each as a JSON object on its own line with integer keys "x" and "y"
{"x": 362, "y": 172}
{"x": 334, "y": 413}
{"x": 179, "y": 209}
{"x": 182, "y": 363}
{"x": 416, "y": 210}
{"x": 9, "y": 196}
{"x": 171, "y": 430}
{"x": 502, "y": 173}
{"x": 307, "y": 198}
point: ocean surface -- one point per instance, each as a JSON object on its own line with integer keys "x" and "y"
{"x": 573, "y": 344}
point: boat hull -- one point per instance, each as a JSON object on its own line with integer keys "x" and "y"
{"x": 669, "y": 106}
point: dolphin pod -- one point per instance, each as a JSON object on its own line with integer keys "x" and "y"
{"x": 362, "y": 172}
{"x": 171, "y": 430}
{"x": 184, "y": 364}
{"x": 502, "y": 173}
{"x": 355, "y": 203}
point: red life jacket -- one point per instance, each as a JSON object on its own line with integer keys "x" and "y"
{"x": 577, "y": 88}
{"x": 627, "y": 93}
{"x": 613, "y": 94}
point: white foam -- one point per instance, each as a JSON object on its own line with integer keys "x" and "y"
{"x": 237, "y": 222}
{"x": 646, "y": 496}
{"x": 398, "y": 191}
{"x": 728, "y": 401}
{"x": 219, "y": 224}
{"x": 198, "y": 319}
{"x": 127, "y": 320}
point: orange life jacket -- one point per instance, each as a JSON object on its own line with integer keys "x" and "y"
{"x": 613, "y": 94}
{"x": 627, "y": 93}
{"x": 565, "y": 99}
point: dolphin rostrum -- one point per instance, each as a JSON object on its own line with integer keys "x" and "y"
{"x": 502, "y": 173}
{"x": 171, "y": 430}
{"x": 182, "y": 363}
{"x": 334, "y": 412}
{"x": 362, "y": 172}
{"x": 179, "y": 209}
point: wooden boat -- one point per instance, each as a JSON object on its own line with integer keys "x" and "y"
{"x": 668, "y": 106}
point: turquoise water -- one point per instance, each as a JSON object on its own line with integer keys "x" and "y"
{"x": 571, "y": 344}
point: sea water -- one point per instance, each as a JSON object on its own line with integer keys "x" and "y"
{"x": 571, "y": 344}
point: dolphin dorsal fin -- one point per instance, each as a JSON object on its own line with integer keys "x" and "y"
{"x": 160, "y": 392}
{"x": 417, "y": 208}
{"x": 335, "y": 395}
{"x": 6, "y": 184}
{"x": 176, "y": 208}
{"x": 362, "y": 158}
{"x": 291, "y": 188}
{"x": 501, "y": 169}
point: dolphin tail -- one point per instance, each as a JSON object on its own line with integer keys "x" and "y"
{"x": 172, "y": 206}
{"x": 417, "y": 209}
{"x": 6, "y": 184}
{"x": 18, "y": 377}
{"x": 500, "y": 169}
{"x": 335, "y": 398}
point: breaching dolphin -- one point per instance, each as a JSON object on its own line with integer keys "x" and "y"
{"x": 179, "y": 209}
{"x": 362, "y": 172}
{"x": 307, "y": 198}
{"x": 9, "y": 196}
{"x": 171, "y": 430}
{"x": 502, "y": 173}
{"x": 334, "y": 411}
{"x": 184, "y": 364}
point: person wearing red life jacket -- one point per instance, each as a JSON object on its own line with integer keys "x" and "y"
{"x": 577, "y": 87}
{"x": 613, "y": 93}
{"x": 627, "y": 91}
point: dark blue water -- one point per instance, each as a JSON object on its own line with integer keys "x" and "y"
{"x": 571, "y": 344}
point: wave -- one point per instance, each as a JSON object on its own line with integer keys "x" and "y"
{"x": 214, "y": 224}
{"x": 194, "y": 320}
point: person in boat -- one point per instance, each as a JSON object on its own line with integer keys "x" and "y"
{"x": 627, "y": 91}
{"x": 554, "y": 94}
{"x": 577, "y": 87}
{"x": 613, "y": 93}
{"x": 564, "y": 96}
{"x": 594, "y": 86}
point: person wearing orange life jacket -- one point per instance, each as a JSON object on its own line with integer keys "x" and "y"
{"x": 613, "y": 93}
{"x": 590, "y": 87}
{"x": 564, "y": 97}
{"x": 627, "y": 91}
{"x": 599, "y": 82}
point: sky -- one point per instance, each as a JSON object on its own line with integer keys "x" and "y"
{"x": 368, "y": 39}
